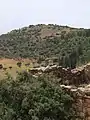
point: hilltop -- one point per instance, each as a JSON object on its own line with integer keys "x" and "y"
{"x": 38, "y": 75}
{"x": 60, "y": 43}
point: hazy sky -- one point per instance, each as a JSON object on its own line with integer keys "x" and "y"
{"x": 19, "y": 13}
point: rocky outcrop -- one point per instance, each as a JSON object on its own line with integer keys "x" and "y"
{"x": 68, "y": 76}
{"x": 81, "y": 104}
{"x": 76, "y": 78}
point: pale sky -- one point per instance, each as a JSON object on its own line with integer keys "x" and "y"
{"x": 21, "y": 13}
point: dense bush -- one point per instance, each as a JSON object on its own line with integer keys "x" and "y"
{"x": 19, "y": 64}
{"x": 28, "y": 98}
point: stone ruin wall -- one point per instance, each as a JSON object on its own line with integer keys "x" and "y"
{"x": 68, "y": 76}
{"x": 81, "y": 97}
{"x": 75, "y": 78}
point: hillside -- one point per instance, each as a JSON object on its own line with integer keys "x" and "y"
{"x": 61, "y": 43}
{"x": 35, "y": 81}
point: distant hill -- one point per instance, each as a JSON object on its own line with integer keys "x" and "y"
{"x": 70, "y": 45}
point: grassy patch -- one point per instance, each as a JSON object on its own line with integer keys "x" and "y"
{"x": 10, "y": 66}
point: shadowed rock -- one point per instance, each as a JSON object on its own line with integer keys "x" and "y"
{"x": 73, "y": 76}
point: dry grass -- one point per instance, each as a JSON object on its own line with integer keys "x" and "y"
{"x": 13, "y": 63}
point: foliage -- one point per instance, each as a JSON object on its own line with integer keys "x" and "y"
{"x": 28, "y": 98}
{"x": 19, "y": 64}
{"x": 34, "y": 42}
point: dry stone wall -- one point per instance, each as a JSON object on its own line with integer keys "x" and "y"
{"x": 81, "y": 103}
{"x": 74, "y": 77}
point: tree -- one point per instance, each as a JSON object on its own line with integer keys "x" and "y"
{"x": 73, "y": 59}
{"x": 19, "y": 64}
{"x": 41, "y": 99}
{"x": 67, "y": 61}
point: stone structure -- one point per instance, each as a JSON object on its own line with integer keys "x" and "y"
{"x": 74, "y": 77}
{"x": 81, "y": 97}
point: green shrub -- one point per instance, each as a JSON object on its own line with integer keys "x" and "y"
{"x": 40, "y": 99}
{"x": 19, "y": 64}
